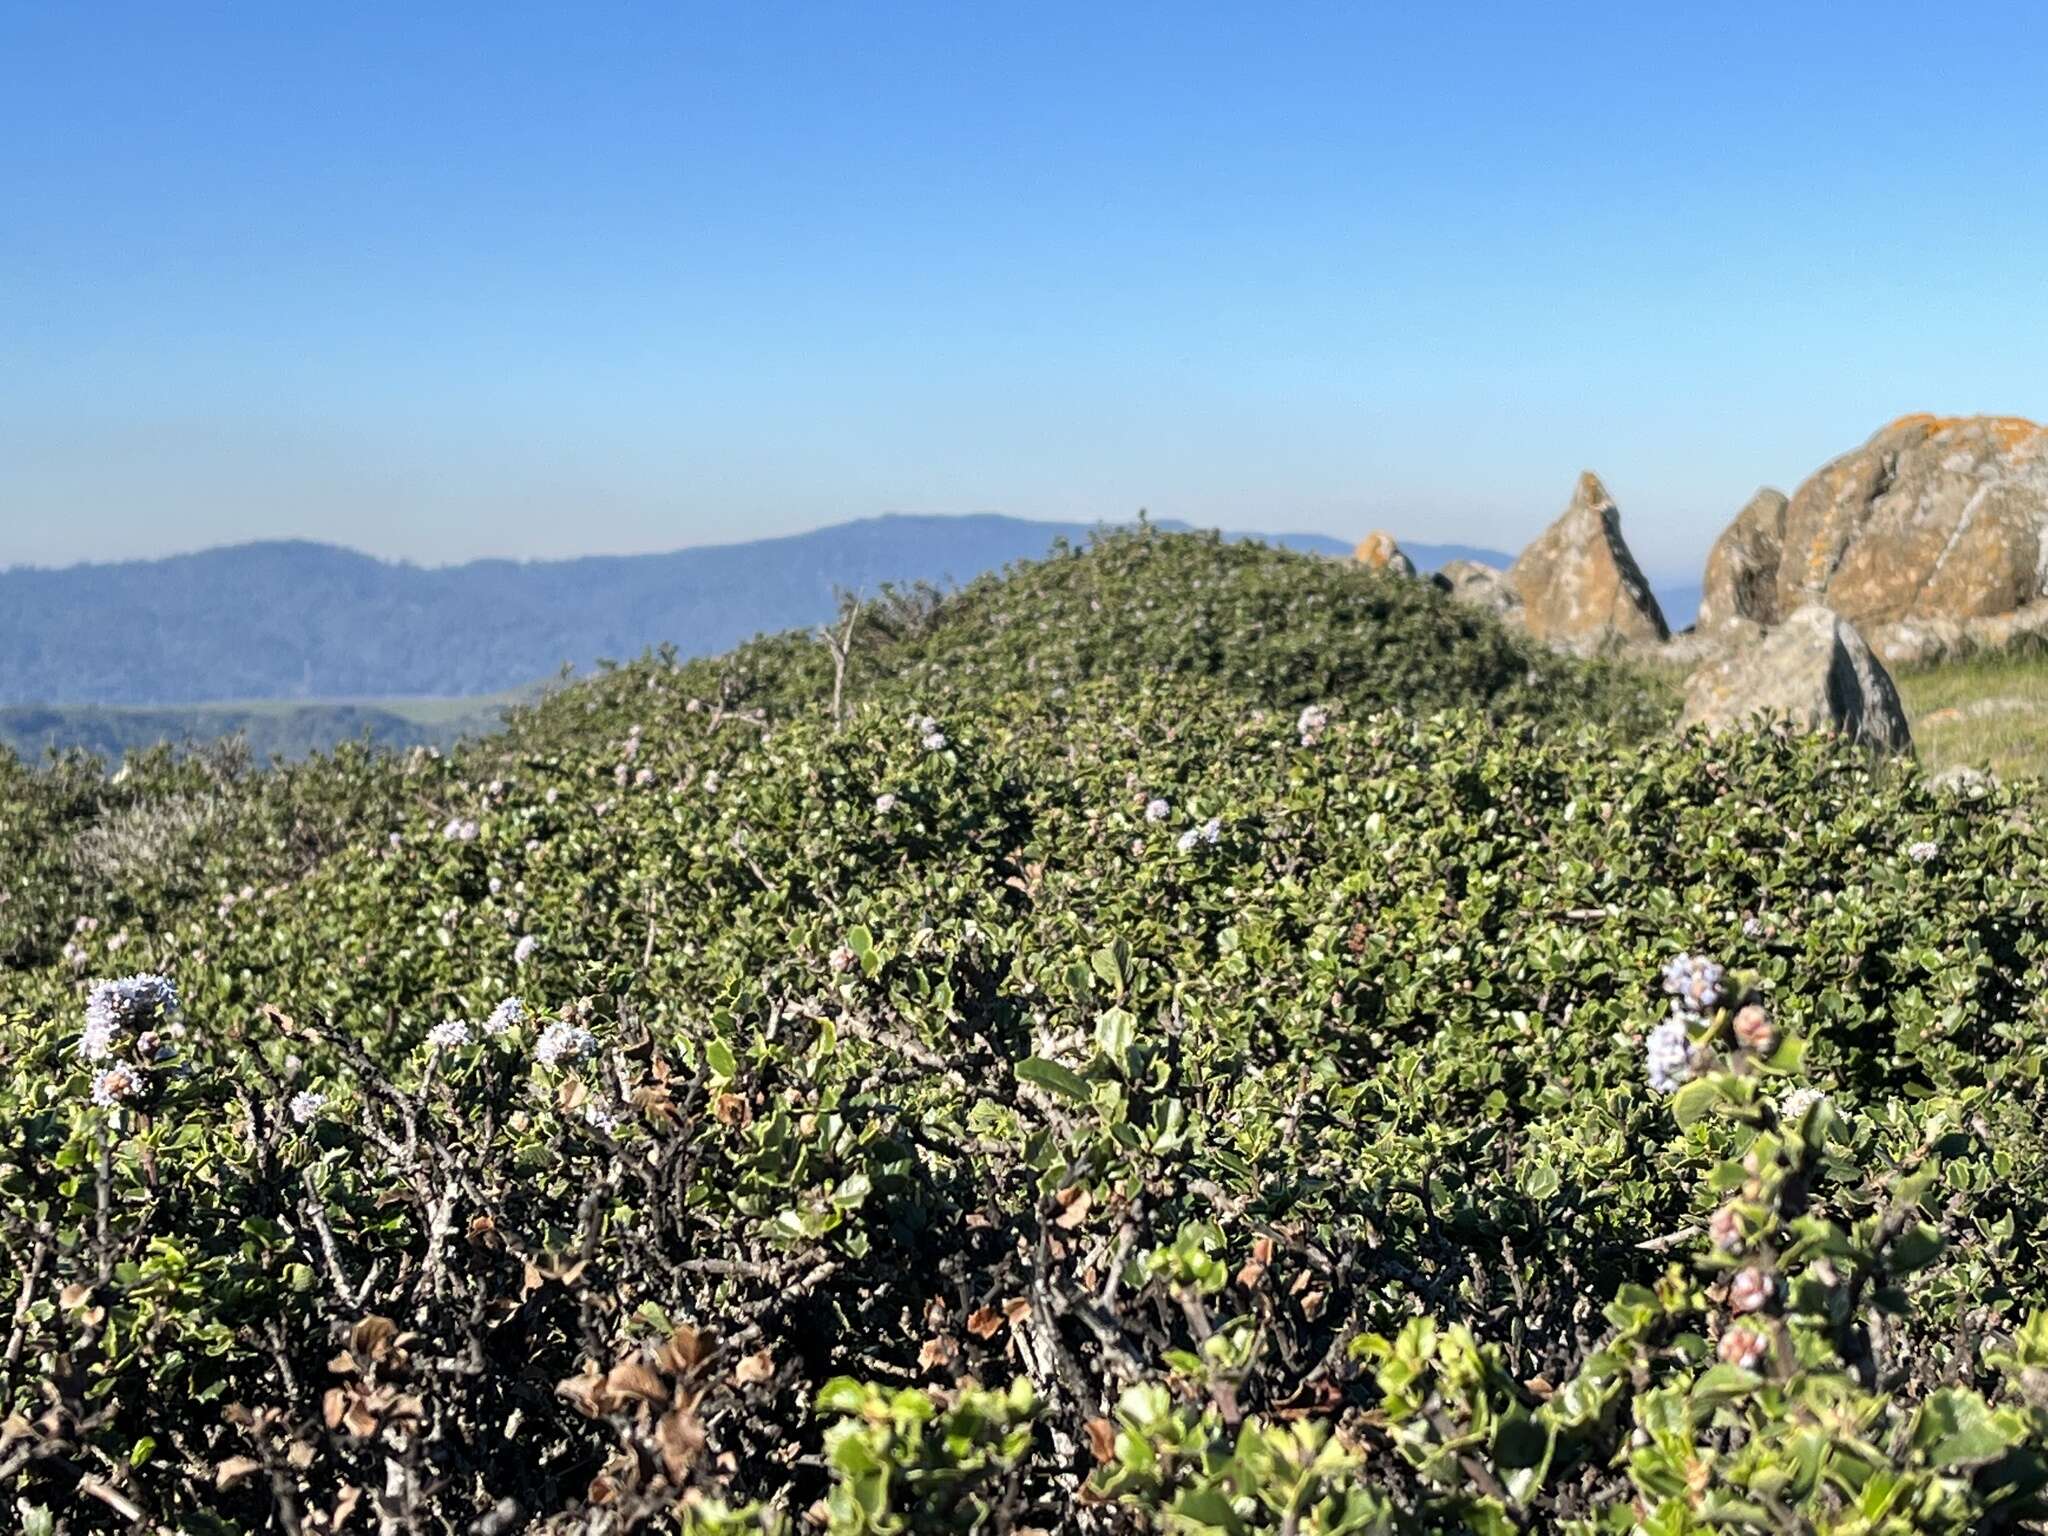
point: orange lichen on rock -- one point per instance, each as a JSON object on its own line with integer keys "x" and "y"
{"x": 2009, "y": 431}
{"x": 1377, "y": 551}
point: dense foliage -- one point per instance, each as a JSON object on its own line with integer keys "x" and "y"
{"x": 1120, "y": 1075}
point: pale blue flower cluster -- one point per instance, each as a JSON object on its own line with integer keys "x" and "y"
{"x": 1694, "y": 984}
{"x": 564, "y": 1042}
{"x": 1667, "y": 1054}
{"x": 113, "y": 1008}
{"x": 1695, "y": 981}
{"x": 449, "y": 1035}
{"x": 506, "y": 1017}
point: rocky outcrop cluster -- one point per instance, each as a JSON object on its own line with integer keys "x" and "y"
{"x": 1930, "y": 540}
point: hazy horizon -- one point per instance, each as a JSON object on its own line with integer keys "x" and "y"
{"x": 538, "y": 283}
{"x": 627, "y": 554}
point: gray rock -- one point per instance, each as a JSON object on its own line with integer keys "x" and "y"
{"x": 1964, "y": 782}
{"x": 1815, "y": 669}
{"x": 1742, "y": 568}
{"x": 1697, "y": 646}
{"x": 1480, "y": 585}
{"x": 1919, "y": 642}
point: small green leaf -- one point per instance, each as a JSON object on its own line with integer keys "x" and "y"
{"x": 1051, "y": 1075}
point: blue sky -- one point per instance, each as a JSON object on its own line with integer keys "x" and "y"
{"x": 443, "y": 281}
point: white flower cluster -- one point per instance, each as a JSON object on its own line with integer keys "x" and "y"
{"x": 506, "y": 1017}
{"x": 884, "y": 804}
{"x": 1311, "y": 724}
{"x": 460, "y": 830}
{"x": 928, "y": 729}
{"x": 1695, "y": 981}
{"x": 113, "y": 1008}
{"x": 1667, "y": 1054}
{"x": 305, "y": 1106}
{"x": 1210, "y": 832}
{"x": 1923, "y": 852}
{"x": 527, "y": 947}
{"x": 1795, "y": 1104}
{"x": 449, "y": 1035}
{"x": 563, "y": 1042}
{"x": 1157, "y": 809}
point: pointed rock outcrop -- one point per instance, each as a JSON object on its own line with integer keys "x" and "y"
{"x": 1742, "y": 567}
{"x": 1377, "y": 551}
{"x": 1580, "y": 587}
{"x": 1815, "y": 669}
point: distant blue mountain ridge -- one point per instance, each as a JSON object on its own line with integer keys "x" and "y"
{"x": 292, "y": 619}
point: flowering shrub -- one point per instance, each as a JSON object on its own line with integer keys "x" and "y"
{"x": 982, "y": 1161}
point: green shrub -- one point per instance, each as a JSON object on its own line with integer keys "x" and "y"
{"x": 907, "y": 1136}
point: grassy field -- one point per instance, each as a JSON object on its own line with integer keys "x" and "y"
{"x": 1987, "y": 711}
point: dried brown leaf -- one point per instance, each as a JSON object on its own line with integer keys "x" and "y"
{"x": 679, "y": 1437}
{"x": 683, "y": 1352}
{"x": 985, "y": 1322}
{"x": 372, "y": 1338}
{"x": 1101, "y": 1439}
{"x": 235, "y": 1470}
{"x": 586, "y": 1393}
{"x": 634, "y": 1378}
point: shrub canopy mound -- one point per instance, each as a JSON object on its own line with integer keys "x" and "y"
{"x": 1106, "y": 1096}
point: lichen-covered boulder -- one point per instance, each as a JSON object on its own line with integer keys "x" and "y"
{"x": 1813, "y": 668}
{"x": 1934, "y": 517}
{"x": 1742, "y": 568}
{"x": 1580, "y": 587}
{"x": 1377, "y": 551}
